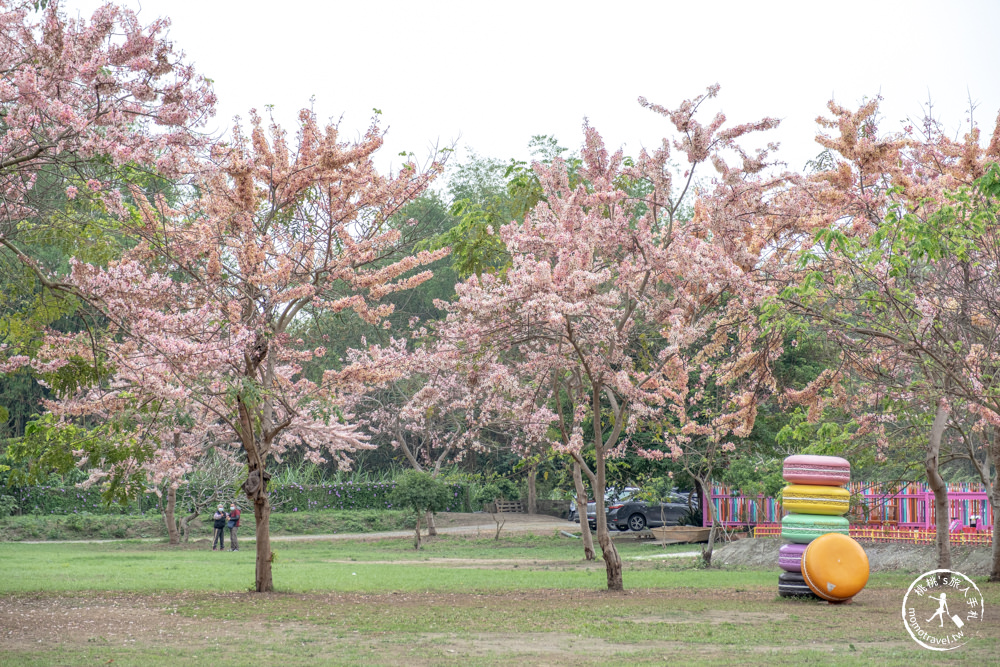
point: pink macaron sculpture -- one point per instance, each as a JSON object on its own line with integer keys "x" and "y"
{"x": 814, "y": 491}
{"x": 817, "y": 470}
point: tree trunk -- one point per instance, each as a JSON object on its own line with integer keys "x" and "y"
{"x": 185, "y": 530}
{"x": 612, "y": 561}
{"x": 532, "y": 492}
{"x": 581, "y": 510}
{"x": 994, "y": 454}
{"x": 942, "y": 518}
{"x": 168, "y": 515}
{"x": 255, "y": 488}
{"x": 262, "y": 512}
{"x": 168, "y": 511}
{"x": 431, "y": 529}
{"x": 705, "y": 491}
{"x": 416, "y": 535}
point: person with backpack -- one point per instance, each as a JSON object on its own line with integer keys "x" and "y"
{"x": 233, "y": 524}
{"x": 219, "y": 524}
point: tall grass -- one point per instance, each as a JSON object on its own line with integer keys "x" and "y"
{"x": 305, "y": 473}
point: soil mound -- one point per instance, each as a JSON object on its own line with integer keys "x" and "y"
{"x": 763, "y": 553}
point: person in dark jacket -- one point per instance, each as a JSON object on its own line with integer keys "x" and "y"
{"x": 233, "y": 524}
{"x": 219, "y": 524}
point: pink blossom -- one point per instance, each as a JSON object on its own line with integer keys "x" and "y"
{"x": 199, "y": 322}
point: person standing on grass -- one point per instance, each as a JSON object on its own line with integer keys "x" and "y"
{"x": 233, "y": 524}
{"x": 219, "y": 524}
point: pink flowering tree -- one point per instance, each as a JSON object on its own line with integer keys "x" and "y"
{"x": 198, "y": 311}
{"x": 618, "y": 311}
{"x": 86, "y": 106}
{"x": 80, "y": 99}
{"x": 416, "y": 399}
{"x": 130, "y": 439}
{"x": 901, "y": 272}
{"x": 429, "y": 399}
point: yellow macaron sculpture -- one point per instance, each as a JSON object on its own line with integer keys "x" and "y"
{"x": 817, "y": 501}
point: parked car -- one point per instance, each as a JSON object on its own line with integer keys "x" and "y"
{"x": 635, "y": 514}
{"x": 611, "y": 496}
{"x": 574, "y": 516}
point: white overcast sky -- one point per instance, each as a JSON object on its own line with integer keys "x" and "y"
{"x": 489, "y": 75}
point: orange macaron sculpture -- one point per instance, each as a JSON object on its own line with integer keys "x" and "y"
{"x": 835, "y": 567}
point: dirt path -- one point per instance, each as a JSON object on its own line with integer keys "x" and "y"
{"x": 460, "y": 524}
{"x": 679, "y": 554}
{"x": 511, "y": 563}
{"x": 523, "y": 524}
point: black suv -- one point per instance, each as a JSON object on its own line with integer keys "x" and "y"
{"x": 611, "y": 497}
{"x": 638, "y": 514}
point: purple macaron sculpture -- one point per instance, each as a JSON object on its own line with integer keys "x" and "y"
{"x": 790, "y": 557}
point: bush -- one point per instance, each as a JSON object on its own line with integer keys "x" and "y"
{"x": 8, "y": 505}
{"x": 39, "y": 500}
{"x": 57, "y": 500}
{"x": 420, "y": 492}
{"x": 498, "y": 487}
{"x": 350, "y": 496}
{"x": 109, "y": 526}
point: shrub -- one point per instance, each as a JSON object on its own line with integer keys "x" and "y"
{"x": 8, "y": 505}
{"x": 57, "y": 500}
{"x": 71, "y": 500}
{"x": 498, "y": 487}
{"x": 350, "y": 496}
{"x": 420, "y": 492}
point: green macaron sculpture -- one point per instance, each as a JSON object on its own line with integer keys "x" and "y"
{"x": 804, "y": 528}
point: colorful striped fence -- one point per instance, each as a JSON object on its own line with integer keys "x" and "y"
{"x": 903, "y": 506}
{"x": 882, "y": 534}
{"x": 734, "y": 509}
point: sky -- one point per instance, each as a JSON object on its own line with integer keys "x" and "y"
{"x": 486, "y": 76}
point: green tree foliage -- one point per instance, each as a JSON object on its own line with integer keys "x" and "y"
{"x": 343, "y": 331}
{"x": 805, "y": 355}
{"x": 421, "y": 493}
{"x": 754, "y": 475}
{"x": 63, "y": 229}
{"x": 486, "y": 194}
{"x": 46, "y": 453}
{"x": 496, "y": 488}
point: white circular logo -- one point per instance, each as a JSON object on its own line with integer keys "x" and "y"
{"x": 942, "y": 609}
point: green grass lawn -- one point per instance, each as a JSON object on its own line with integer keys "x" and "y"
{"x": 527, "y": 562}
{"x": 458, "y": 601}
{"x": 86, "y": 526}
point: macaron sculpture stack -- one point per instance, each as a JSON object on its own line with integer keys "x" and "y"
{"x": 817, "y": 501}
